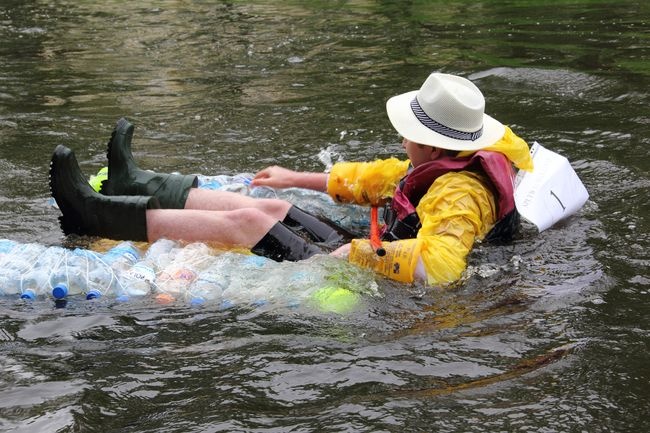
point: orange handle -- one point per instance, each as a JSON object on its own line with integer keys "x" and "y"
{"x": 375, "y": 241}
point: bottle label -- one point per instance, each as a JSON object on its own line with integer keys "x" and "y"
{"x": 184, "y": 274}
{"x": 140, "y": 271}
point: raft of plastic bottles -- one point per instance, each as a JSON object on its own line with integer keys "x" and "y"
{"x": 194, "y": 273}
{"x": 172, "y": 272}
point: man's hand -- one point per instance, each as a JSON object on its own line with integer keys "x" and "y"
{"x": 275, "y": 177}
{"x": 280, "y": 177}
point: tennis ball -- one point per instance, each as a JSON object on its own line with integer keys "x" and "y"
{"x": 335, "y": 299}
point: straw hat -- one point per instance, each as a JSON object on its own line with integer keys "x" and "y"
{"x": 447, "y": 112}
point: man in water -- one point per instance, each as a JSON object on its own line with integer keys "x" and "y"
{"x": 456, "y": 187}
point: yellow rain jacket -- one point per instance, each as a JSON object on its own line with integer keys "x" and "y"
{"x": 457, "y": 209}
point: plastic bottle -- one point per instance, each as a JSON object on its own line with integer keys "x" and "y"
{"x": 100, "y": 280}
{"x": 59, "y": 281}
{"x": 238, "y": 183}
{"x": 116, "y": 261}
{"x": 139, "y": 280}
{"x": 263, "y": 192}
{"x": 175, "y": 278}
{"x": 209, "y": 285}
{"x": 248, "y": 283}
{"x": 211, "y": 182}
{"x": 36, "y": 281}
{"x": 70, "y": 276}
{"x": 160, "y": 252}
{"x": 16, "y": 262}
{"x": 122, "y": 256}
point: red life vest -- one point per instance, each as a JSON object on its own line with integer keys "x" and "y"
{"x": 402, "y": 222}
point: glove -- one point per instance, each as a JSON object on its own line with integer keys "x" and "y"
{"x": 398, "y": 264}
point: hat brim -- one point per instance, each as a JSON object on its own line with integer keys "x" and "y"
{"x": 408, "y": 126}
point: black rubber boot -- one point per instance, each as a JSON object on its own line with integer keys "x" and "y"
{"x": 281, "y": 243}
{"x": 86, "y": 212}
{"x": 317, "y": 229}
{"x": 125, "y": 178}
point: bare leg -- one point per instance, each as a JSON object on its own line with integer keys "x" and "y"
{"x": 241, "y": 227}
{"x": 205, "y": 199}
{"x": 302, "y": 223}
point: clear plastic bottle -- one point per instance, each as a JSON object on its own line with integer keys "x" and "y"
{"x": 122, "y": 256}
{"x": 159, "y": 253}
{"x": 247, "y": 279}
{"x": 211, "y": 182}
{"x": 100, "y": 280}
{"x": 183, "y": 268}
{"x": 116, "y": 261}
{"x": 59, "y": 279}
{"x": 263, "y": 192}
{"x": 209, "y": 284}
{"x": 15, "y": 263}
{"x": 70, "y": 276}
{"x": 140, "y": 279}
{"x": 36, "y": 281}
{"x": 238, "y": 183}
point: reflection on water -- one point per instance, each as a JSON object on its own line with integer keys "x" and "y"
{"x": 549, "y": 333}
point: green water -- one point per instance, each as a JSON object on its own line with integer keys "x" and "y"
{"x": 548, "y": 334}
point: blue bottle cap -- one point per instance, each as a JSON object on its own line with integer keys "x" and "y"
{"x": 28, "y": 294}
{"x": 60, "y": 291}
{"x": 93, "y": 294}
{"x": 197, "y": 301}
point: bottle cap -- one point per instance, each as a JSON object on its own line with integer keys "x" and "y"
{"x": 197, "y": 300}
{"x": 28, "y": 294}
{"x": 60, "y": 291}
{"x": 93, "y": 294}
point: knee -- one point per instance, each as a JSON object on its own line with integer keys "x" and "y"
{"x": 253, "y": 217}
{"x": 275, "y": 207}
